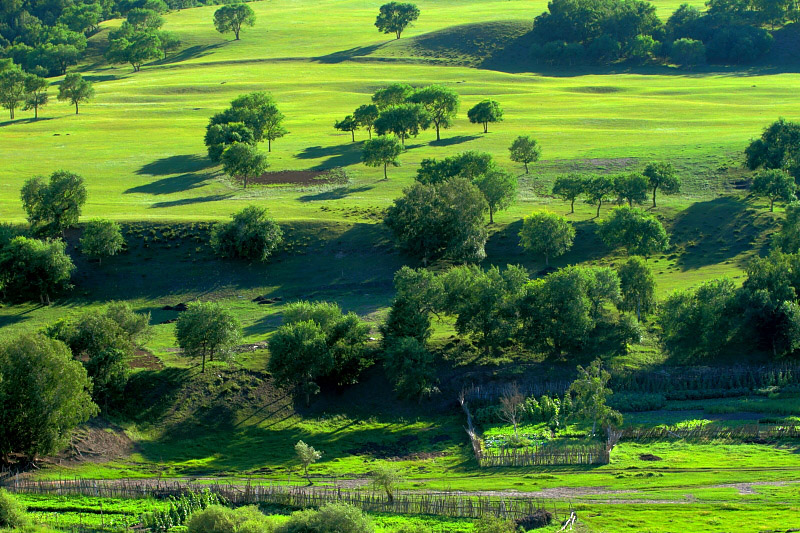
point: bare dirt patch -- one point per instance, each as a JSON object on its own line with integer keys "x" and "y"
{"x": 98, "y": 441}
{"x": 649, "y": 457}
{"x": 145, "y": 359}
{"x": 296, "y": 177}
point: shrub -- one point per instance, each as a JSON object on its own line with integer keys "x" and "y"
{"x": 492, "y": 524}
{"x": 12, "y": 513}
{"x": 214, "y": 519}
{"x": 250, "y": 235}
{"x": 330, "y": 518}
{"x": 540, "y": 518}
{"x": 633, "y": 402}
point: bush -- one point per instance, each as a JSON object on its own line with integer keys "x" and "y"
{"x": 688, "y": 52}
{"x": 12, "y": 513}
{"x": 540, "y": 518}
{"x": 330, "y": 518}
{"x": 250, "y": 235}
{"x": 491, "y": 524}
{"x": 214, "y": 519}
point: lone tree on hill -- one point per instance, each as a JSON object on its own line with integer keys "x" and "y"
{"x": 243, "y": 162}
{"x": 662, "y": 176}
{"x": 547, "y": 234}
{"x": 440, "y": 102}
{"x": 207, "y": 330}
{"x": 383, "y": 150}
{"x": 568, "y": 188}
{"x": 307, "y": 456}
{"x": 484, "y": 113}
{"x": 395, "y": 17}
{"x": 774, "y": 184}
{"x": 102, "y": 238}
{"x": 250, "y": 235}
{"x": 348, "y": 123}
{"x": 75, "y": 89}
{"x": 53, "y": 206}
{"x": 525, "y": 150}
{"x": 233, "y": 17}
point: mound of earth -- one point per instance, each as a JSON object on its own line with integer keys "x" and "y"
{"x": 97, "y": 441}
{"x": 649, "y": 457}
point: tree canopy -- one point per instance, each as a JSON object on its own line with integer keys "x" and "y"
{"x": 381, "y": 151}
{"x": 634, "y": 230}
{"x": 499, "y": 187}
{"x": 75, "y": 89}
{"x": 547, "y": 234}
{"x": 250, "y": 235}
{"x": 395, "y": 17}
{"x": 485, "y": 112}
{"x": 55, "y": 205}
{"x": 440, "y": 103}
{"x": 243, "y": 162}
{"x": 568, "y": 188}
{"x": 525, "y": 150}
{"x": 207, "y": 330}
{"x": 774, "y": 184}
{"x": 662, "y": 176}
{"x": 102, "y": 238}
{"x": 232, "y": 18}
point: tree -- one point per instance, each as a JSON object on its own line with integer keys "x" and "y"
{"x": 662, "y": 176}
{"x": 307, "y": 456}
{"x": 485, "y": 112}
{"x": 403, "y": 120}
{"x": 30, "y": 266}
{"x": 470, "y": 165}
{"x": 13, "y": 514}
{"x": 251, "y": 235}
{"x": 44, "y": 395}
{"x": 366, "y": 115}
{"x": 168, "y": 42}
{"x": 787, "y": 240}
{"x": 392, "y": 95}
{"x": 54, "y": 206}
{"x": 638, "y": 287}
{"x": 500, "y": 189}
{"x": 445, "y": 220}
{"x": 348, "y": 123}
{"x": 35, "y": 93}
{"x": 777, "y": 148}
{"x": 207, "y": 330}
{"x": 512, "y": 404}
{"x": 299, "y": 356}
{"x": 395, "y": 17}
{"x": 636, "y": 231}
{"x": 143, "y": 20}
{"x": 775, "y": 184}
{"x": 221, "y": 136}
{"x": 12, "y": 89}
{"x": 259, "y": 112}
{"x": 75, "y": 89}
{"x": 383, "y": 150}
{"x": 568, "y": 188}
{"x": 410, "y": 367}
{"x": 631, "y": 188}
{"x": 688, "y": 52}
{"x": 590, "y": 391}
{"x": 598, "y": 189}
{"x": 441, "y": 104}
{"x": 385, "y": 477}
{"x": 525, "y": 150}
{"x": 233, "y": 17}
{"x": 82, "y": 18}
{"x": 102, "y": 238}
{"x": 547, "y": 234}
{"x": 136, "y": 48}
{"x": 243, "y": 162}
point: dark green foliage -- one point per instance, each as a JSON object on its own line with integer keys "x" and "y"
{"x": 299, "y": 356}
{"x": 35, "y": 93}
{"x": 485, "y": 112}
{"x": 135, "y": 44}
{"x": 662, "y": 176}
{"x": 102, "y": 238}
{"x": 499, "y": 188}
{"x": 330, "y": 518}
{"x": 250, "y": 235}
{"x": 634, "y": 230}
{"x": 631, "y": 188}
{"x": 687, "y": 52}
{"x": 392, "y": 95}
{"x": 636, "y": 402}
{"x": 207, "y": 330}
{"x": 220, "y": 136}
{"x": 259, "y": 113}
{"x": 233, "y": 18}
{"x": 180, "y": 509}
{"x": 243, "y": 162}
{"x": 348, "y": 123}
{"x": 44, "y": 395}
{"x": 546, "y": 234}
{"x": 589, "y": 394}
{"x": 403, "y": 120}
{"x": 787, "y": 240}
{"x": 410, "y": 367}
{"x": 75, "y": 89}
{"x": 30, "y": 269}
{"x": 440, "y": 103}
{"x": 12, "y": 89}
{"x": 492, "y": 524}
{"x": 638, "y": 287}
{"x": 53, "y": 206}
{"x": 778, "y": 148}
{"x": 440, "y": 221}
{"x": 598, "y": 189}
{"x": 470, "y": 165}
{"x": 395, "y": 17}
{"x": 381, "y": 151}
{"x": 366, "y": 115}
{"x": 525, "y": 150}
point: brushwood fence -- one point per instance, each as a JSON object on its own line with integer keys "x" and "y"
{"x": 449, "y": 504}
{"x": 756, "y": 432}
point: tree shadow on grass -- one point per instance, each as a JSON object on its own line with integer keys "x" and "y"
{"x": 175, "y": 164}
{"x": 189, "y": 201}
{"x": 458, "y": 139}
{"x": 346, "y": 55}
{"x": 192, "y": 52}
{"x": 337, "y": 156}
{"x": 715, "y": 231}
{"x": 29, "y": 120}
{"x": 171, "y": 185}
{"x": 334, "y": 194}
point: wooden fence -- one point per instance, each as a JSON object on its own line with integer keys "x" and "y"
{"x": 449, "y": 504}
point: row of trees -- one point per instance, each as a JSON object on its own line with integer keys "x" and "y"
{"x": 29, "y": 91}
{"x": 604, "y": 31}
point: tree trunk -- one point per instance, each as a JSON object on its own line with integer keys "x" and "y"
{"x": 630, "y": 202}
{"x": 12, "y": 113}
{"x": 36, "y": 112}
{"x": 398, "y": 33}
{"x": 654, "y": 196}
{"x": 269, "y": 144}
{"x": 485, "y": 127}
{"x": 369, "y": 130}
{"x": 598, "y": 208}
{"x": 526, "y": 167}
{"x": 76, "y": 108}
{"x": 572, "y": 206}
{"x": 594, "y": 426}
{"x": 771, "y": 204}
{"x": 236, "y": 32}
{"x": 491, "y": 215}
{"x": 384, "y": 171}
{"x": 203, "y": 367}
{"x": 638, "y": 308}
{"x": 437, "y": 131}
{"x": 353, "y": 134}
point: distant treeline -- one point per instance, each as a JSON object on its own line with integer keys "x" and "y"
{"x": 575, "y": 32}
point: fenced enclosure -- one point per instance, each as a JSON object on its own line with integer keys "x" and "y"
{"x": 447, "y": 504}
{"x": 714, "y": 431}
